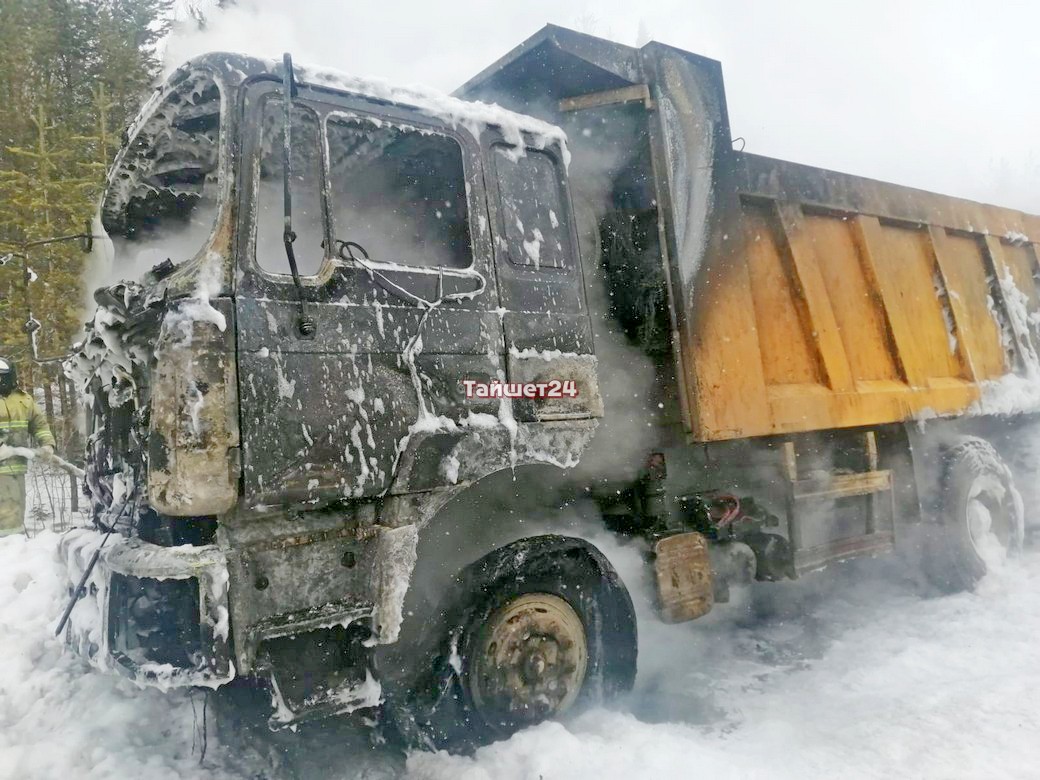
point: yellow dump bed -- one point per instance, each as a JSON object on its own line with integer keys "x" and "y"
{"x": 841, "y": 301}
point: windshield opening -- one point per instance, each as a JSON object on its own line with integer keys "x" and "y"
{"x": 163, "y": 200}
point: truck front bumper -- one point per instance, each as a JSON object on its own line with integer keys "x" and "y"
{"x": 158, "y": 615}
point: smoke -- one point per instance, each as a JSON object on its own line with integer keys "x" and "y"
{"x": 929, "y": 94}
{"x": 120, "y": 258}
{"x": 628, "y": 378}
{"x": 167, "y": 189}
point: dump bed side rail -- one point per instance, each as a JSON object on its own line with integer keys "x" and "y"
{"x": 870, "y": 303}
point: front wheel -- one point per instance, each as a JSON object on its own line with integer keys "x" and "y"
{"x": 533, "y": 631}
{"x": 527, "y": 661}
{"x": 980, "y": 521}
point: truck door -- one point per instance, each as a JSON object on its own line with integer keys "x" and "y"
{"x": 548, "y": 335}
{"x": 395, "y": 258}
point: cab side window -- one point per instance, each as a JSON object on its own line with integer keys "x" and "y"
{"x": 531, "y": 208}
{"x": 399, "y": 192}
{"x": 307, "y": 200}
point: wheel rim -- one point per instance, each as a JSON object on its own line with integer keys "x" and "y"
{"x": 989, "y": 521}
{"x": 530, "y": 662}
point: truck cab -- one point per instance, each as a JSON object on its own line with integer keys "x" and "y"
{"x": 267, "y": 435}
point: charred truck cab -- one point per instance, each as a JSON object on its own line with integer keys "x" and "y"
{"x": 279, "y": 420}
{"x": 268, "y": 437}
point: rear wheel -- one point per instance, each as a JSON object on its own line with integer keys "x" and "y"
{"x": 533, "y": 631}
{"x": 980, "y": 521}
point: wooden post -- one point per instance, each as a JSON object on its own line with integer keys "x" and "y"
{"x": 794, "y": 532}
{"x": 872, "y": 465}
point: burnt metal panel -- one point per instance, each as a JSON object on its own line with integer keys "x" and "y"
{"x": 525, "y": 287}
{"x": 548, "y": 331}
{"x": 349, "y": 327}
{"x": 320, "y": 424}
{"x": 294, "y": 576}
{"x": 553, "y": 63}
{"x": 695, "y": 169}
{"x": 194, "y": 416}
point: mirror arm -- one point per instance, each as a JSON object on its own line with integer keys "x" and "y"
{"x": 305, "y": 322}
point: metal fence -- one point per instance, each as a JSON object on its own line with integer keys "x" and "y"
{"x": 50, "y": 504}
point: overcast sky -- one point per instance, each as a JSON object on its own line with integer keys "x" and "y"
{"x": 939, "y": 94}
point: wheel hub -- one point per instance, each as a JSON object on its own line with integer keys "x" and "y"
{"x": 530, "y": 661}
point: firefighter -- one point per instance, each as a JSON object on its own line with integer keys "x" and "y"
{"x": 22, "y": 424}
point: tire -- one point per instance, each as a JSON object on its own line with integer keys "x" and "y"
{"x": 506, "y": 648}
{"x": 980, "y": 518}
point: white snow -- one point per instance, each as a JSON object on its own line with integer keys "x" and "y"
{"x": 533, "y": 248}
{"x": 547, "y": 355}
{"x": 1016, "y": 304}
{"x": 473, "y": 116}
{"x": 856, "y": 674}
{"x": 450, "y": 467}
{"x": 1012, "y": 393}
{"x": 59, "y": 718}
{"x": 379, "y": 318}
{"x": 479, "y": 420}
{"x": 286, "y": 387}
{"x": 947, "y": 315}
{"x": 369, "y": 693}
{"x": 396, "y": 553}
{"x": 181, "y": 320}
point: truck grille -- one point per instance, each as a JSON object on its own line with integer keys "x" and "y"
{"x": 154, "y": 621}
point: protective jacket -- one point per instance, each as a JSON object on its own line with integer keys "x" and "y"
{"x": 22, "y": 424}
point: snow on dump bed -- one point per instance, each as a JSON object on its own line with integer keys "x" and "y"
{"x": 852, "y": 673}
{"x": 1019, "y": 328}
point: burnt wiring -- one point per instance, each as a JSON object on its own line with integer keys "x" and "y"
{"x": 132, "y": 500}
{"x": 345, "y": 251}
{"x": 724, "y": 509}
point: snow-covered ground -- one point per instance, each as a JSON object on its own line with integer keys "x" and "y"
{"x": 856, "y": 672}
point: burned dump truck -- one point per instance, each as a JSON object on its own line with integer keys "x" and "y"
{"x": 282, "y": 412}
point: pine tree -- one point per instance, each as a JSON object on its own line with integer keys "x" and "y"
{"x": 72, "y": 74}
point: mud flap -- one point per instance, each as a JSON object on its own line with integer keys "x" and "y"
{"x": 685, "y": 586}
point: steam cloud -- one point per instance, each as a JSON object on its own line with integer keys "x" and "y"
{"x": 928, "y": 94}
